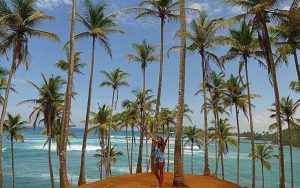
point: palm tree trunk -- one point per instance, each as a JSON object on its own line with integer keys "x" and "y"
{"x": 250, "y": 120}
{"x": 206, "y": 162}
{"x": 160, "y": 79}
{"x": 139, "y": 168}
{"x": 102, "y": 153}
{"x": 270, "y": 60}
{"x": 262, "y": 174}
{"x": 12, "y": 162}
{"x": 132, "y": 136}
{"x": 178, "y": 180}
{"x": 168, "y": 163}
{"x": 63, "y": 176}
{"x": 49, "y": 156}
{"x": 127, "y": 147}
{"x": 192, "y": 158}
{"x": 108, "y": 155}
{"x": 291, "y": 155}
{"x": 222, "y": 163}
{"x": 147, "y": 164}
{"x": 297, "y": 66}
{"x": 102, "y": 144}
{"x": 140, "y": 154}
{"x": 218, "y": 132}
{"x": 238, "y": 144}
{"x": 4, "y": 107}
{"x": 82, "y": 179}
{"x": 216, "y": 145}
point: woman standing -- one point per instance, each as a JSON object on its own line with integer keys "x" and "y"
{"x": 159, "y": 162}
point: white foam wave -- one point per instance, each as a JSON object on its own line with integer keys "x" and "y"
{"x": 3, "y": 149}
{"x": 71, "y": 148}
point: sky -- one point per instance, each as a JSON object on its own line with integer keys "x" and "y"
{"x": 45, "y": 53}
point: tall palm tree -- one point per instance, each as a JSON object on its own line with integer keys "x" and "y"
{"x": 145, "y": 54}
{"x": 63, "y": 176}
{"x": 13, "y": 125}
{"x": 132, "y": 108}
{"x": 235, "y": 97}
{"x": 194, "y": 138}
{"x": 49, "y": 106}
{"x": 224, "y": 129}
{"x": 97, "y": 26}
{"x": 264, "y": 153}
{"x": 167, "y": 117}
{"x": 101, "y": 119}
{"x": 288, "y": 113}
{"x": 244, "y": 44}
{"x": 178, "y": 180}
{"x": 287, "y": 35}
{"x": 261, "y": 12}
{"x": 124, "y": 120}
{"x": 115, "y": 80}
{"x": 20, "y": 20}
{"x": 203, "y": 37}
{"x": 164, "y": 10}
{"x": 215, "y": 85}
{"x": 143, "y": 103}
{"x": 64, "y": 64}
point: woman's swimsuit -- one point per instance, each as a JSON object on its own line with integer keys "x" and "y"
{"x": 159, "y": 155}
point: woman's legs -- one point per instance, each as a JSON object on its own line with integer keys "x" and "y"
{"x": 156, "y": 171}
{"x": 161, "y": 172}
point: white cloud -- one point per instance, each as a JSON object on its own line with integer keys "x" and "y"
{"x": 200, "y": 6}
{"x": 50, "y": 4}
{"x": 286, "y": 8}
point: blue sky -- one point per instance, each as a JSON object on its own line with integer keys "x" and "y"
{"x": 45, "y": 53}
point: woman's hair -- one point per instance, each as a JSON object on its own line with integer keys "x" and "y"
{"x": 161, "y": 144}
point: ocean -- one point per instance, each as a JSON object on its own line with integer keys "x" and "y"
{"x": 31, "y": 161}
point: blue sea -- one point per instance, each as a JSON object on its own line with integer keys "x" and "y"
{"x": 31, "y": 162}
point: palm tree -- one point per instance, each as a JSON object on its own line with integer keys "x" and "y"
{"x": 178, "y": 180}
{"x": 215, "y": 103}
{"x": 64, "y": 64}
{"x": 203, "y": 37}
{"x": 167, "y": 117}
{"x": 224, "y": 129}
{"x": 13, "y": 125}
{"x": 20, "y": 20}
{"x": 287, "y": 37}
{"x": 193, "y": 137}
{"x": 164, "y": 10}
{"x": 131, "y": 109}
{"x": 114, "y": 155}
{"x": 63, "y": 176}
{"x": 264, "y": 153}
{"x": 288, "y": 112}
{"x": 123, "y": 120}
{"x": 49, "y": 106}
{"x": 235, "y": 97}
{"x": 101, "y": 119}
{"x": 115, "y": 80}
{"x": 261, "y": 12}
{"x": 97, "y": 26}
{"x": 244, "y": 44}
{"x": 56, "y": 134}
{"x": 145, "y": 55}
{"x": 142, "y": 103}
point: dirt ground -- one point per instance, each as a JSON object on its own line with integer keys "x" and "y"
{"x": 147, "y": 180}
